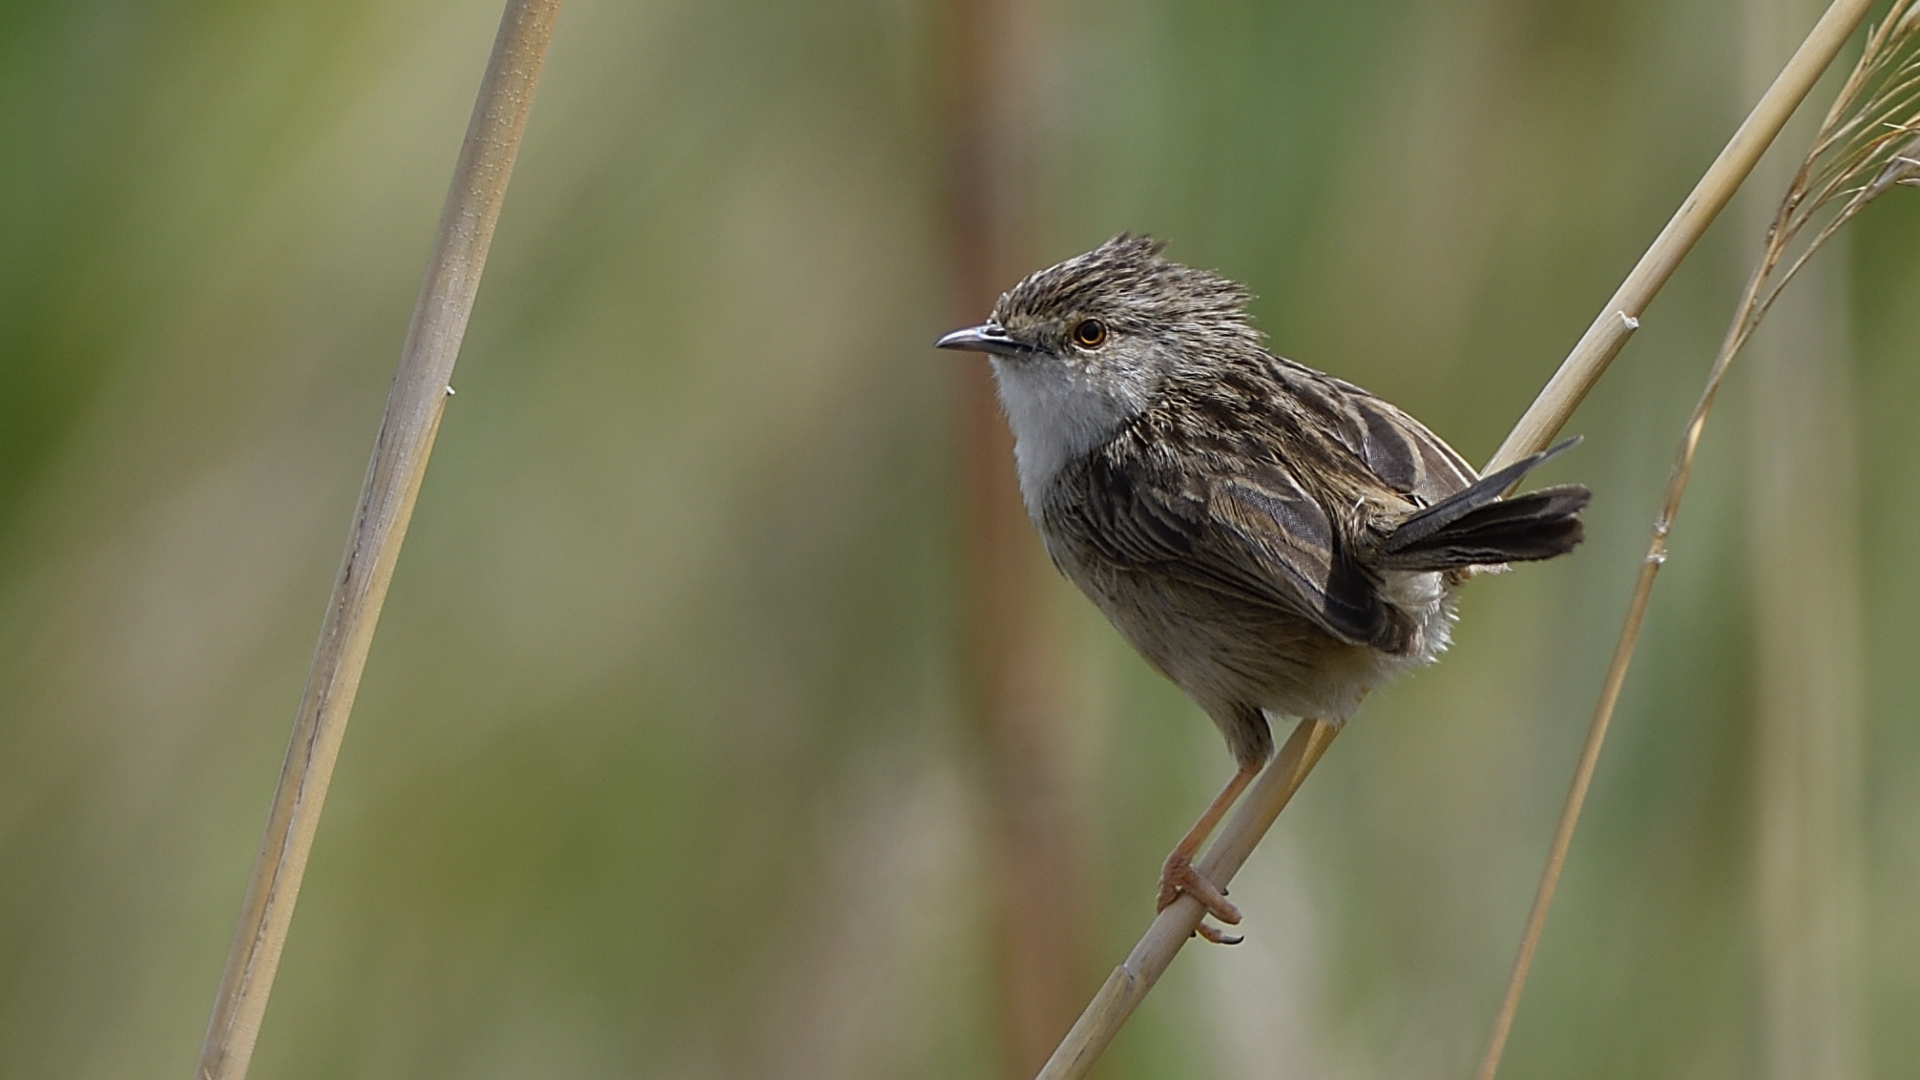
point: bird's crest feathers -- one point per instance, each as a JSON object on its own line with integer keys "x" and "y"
{"x": 1126, "y": 282}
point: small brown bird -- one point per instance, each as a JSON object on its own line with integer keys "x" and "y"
{"x": 1272, "y": 539}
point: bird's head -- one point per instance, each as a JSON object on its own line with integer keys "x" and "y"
{"x": 1118, "y": 315}
{"x": 1081, "y": 347}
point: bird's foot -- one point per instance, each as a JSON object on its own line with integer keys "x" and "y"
{"x": 1178, "y": 876}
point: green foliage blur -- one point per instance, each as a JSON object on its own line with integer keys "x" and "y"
{"x": 658, "y": 768}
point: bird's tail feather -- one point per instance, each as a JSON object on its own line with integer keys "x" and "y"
{"x": 1477, "y": 527}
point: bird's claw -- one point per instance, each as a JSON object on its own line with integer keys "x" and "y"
{"x": 1216, "y": 935}
{"x": 1178, "y": 876}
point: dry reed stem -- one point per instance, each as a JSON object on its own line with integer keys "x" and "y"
{"x": 1882, "y": 90}
{"x": 1621, "y": 315}
{"x": 1129, "y": 983}
{"x": 400, "y": 452}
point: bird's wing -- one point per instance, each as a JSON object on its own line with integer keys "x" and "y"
{"x": 1395, "y": 447}
{"x": 1256, "y": 536}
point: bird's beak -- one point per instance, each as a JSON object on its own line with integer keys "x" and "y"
{"x": 986, "y": 338}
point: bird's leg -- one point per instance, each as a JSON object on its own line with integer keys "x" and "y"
{"x": 1178, "y": 876}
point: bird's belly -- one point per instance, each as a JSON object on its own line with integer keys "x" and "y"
{"x": 1225, "y": 653}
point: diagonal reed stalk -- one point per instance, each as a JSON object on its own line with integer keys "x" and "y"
{"x": 1110, "y": 1008}
{"x": 400, "y": 452}
{"x": 1868, "y": 144}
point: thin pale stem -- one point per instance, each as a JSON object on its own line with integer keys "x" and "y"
{"x": 400, "y": 452}
{"x": 1569, "y": 817}
{"x": 1761, "y": 291}
{"x": 1610, "y": 690}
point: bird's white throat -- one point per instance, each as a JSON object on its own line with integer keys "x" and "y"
{"x": 1057, "y": 415}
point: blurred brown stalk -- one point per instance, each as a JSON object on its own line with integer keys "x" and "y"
{"x": 1012, "y": 663}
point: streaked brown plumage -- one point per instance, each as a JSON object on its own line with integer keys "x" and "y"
{"x": 1272, "y": 539}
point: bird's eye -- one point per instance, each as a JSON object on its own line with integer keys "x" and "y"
{"x": 1090, "y": 333}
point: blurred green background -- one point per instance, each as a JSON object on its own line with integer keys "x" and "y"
{"x": 660, "y": 767}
